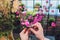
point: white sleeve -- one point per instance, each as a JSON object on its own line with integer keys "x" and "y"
{"x": 46, "y": 38}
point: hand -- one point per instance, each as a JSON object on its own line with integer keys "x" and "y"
{"x": 24, "y": 34}
{"x": 38, "y": 33}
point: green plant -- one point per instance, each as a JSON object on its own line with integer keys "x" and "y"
{"x": 50, "y": 20}
{"x": 37, "y": 4}
{"x": 6, "y": 23}
{"x": 58, "y": 7}
{"x": 21, "y": 4}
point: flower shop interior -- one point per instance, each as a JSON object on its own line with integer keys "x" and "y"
{"x": 10, "y": 25}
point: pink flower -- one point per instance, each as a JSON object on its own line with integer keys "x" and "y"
{"x": 17, "y": 12}
{"x": 22, "y": 23}
{"x": 27, "y": 23}
{"x": 47, "y": 10}
{"x": 20, "y": 7}
{"x": 52, "y": 10}
{"x": 17, "y": 16}
{"x": 37, "y": 18}
{"x": 40, "y": 18}
{"x": 50, "y": 4}
{"x": 53, "y": 24}
{"x": 44, "y": 6}
{"x": 30, "y": 17}
{"x": 21, "y": 19}
{"x": 41, "y": 10}
{"x": 23, "y": 6}
{"x": 24, "y": 13}
{"x": 46, "y": 1}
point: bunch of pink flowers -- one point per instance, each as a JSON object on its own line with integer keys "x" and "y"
{"x": 32, "y": 19}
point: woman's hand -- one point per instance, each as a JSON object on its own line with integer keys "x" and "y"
{"x": 24, "y": 34}
{"x": 39, "y": 32}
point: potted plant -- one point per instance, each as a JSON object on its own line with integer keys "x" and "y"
{"x": 50, "y": 20}
{"x": 58, "y": 7}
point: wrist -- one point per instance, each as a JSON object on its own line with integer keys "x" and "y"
{"x": 24, "y": 39}
{"x": 41, "y": 38}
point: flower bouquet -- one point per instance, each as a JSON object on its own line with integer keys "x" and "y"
{"x": 32, "y": 20}
{"x": 27, "y": 20}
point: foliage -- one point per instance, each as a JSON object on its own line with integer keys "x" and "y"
{"x": 21, "y": 4}
{"x": 51, "y": 19}
{"x": 6, "y": 23}
{"x": 58, "y": 7}
{"x": 37, "y": 4}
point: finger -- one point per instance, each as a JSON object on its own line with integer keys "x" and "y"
{"x": 29, "y": 31}
{"x": 36, "y": 28}
{"x": 23, "y": 31}
{"x": 26, "y": 33}
{"x": 38, "y": 25}
{"x": 33, "y": 30}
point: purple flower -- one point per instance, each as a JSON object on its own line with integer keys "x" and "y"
{"x": 37, "y": 14}
{"x": 22, "y": 23}
{"x": 40, "y": 18}
{"x": 50, "y": 4}
{"x": 20, "y": 7}
{"x": 17, "y": 13}
{"x": 30, "y": 17}
{"x": 53, "y": 24}
{"x": 46, "y": 1}
{"x": 26, "y": 23}
{"x": 17, "y": 16}
{"x": 52, "y": 10}
{"x": 46, "y": 10}
{"x": 24, "y": 13}
{"x": 37, "y": 18}
{"x": 41, "y": 10}
{"x": 21, "y": 19}
{"x": 44, "y": 6}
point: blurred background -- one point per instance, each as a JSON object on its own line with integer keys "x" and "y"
{"x": 50, "y": 8}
